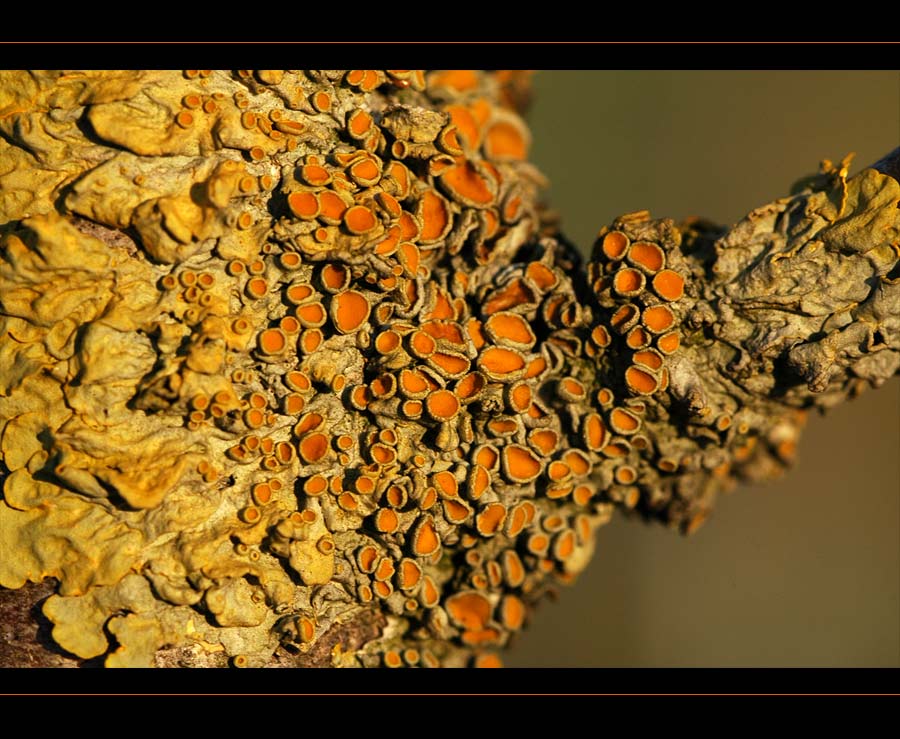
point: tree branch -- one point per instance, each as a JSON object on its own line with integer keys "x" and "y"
{"x": 298, "y": 372}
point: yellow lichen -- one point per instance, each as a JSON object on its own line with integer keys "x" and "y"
{"x": 275, "y": 347}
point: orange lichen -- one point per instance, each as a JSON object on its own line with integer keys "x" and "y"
{"x": 412, "y": 383}
{"x": 254, "y": 418}
{"x": 272, "y": 341}
{"x": 478, "y": 483}
{"x": 250, "y": 514}
{"x": 392, "y": 658}
{"x": 519, "y": 397}
{"x": 359, "y": 219}
{"x": 490, "y": 520}
{"x": 184, "y": 119}
{"x": 669, "y": 285}
{"x": 304, "y": 205}
{"x": 505, "y": 141}
{"x": 367, "y": 558}
{"x": 467, "y": 185}
{"x": 313, "y": 447}
{"x": 315, "y": 485}
{"x": 469, "y": 387}
{"x": 382, "y": 454}
{"x": 364, "y": 485}
{"x": 409, "y": 574}
{"x": 474, "y": 330}
{"x": 516, "y": 292}
{"x": 334, "y": 277}
{"x": 577, "y": 461}
{"x": 628, "y": 281}
{"x": 297, "y": 381}
{"x": 641, "y": 381}
{"x": 429, "y": 593}
{"x": 538, "y": 544}
{"x": 383, "y": 386}
{"x": 311, "y": 315}
{"x": 544, "y": 441}
{"x": 658, "y": 318}
{"x": 348, "y": 501}
{"x": 614, "y": 245}
{"x": 498, "y": 363}
{"x": 572, "y": 390}
{"x": 459, "y": 80}
{"x": 434, "y": 214}
{"x": 257, "y": 287}
{"x": 451, "y": 365}
{"x": 446, "y": 484}
{"x": 617, "y": 447}
{"x": 646, "y": 255}
{"x": 512, "y": 612}
{"x": 370, "y": 80}
{"x": 289, "y": 325}
{"x": 637, "y": 338}
{"x": 513, "y": 569}
{"x": 470, "y": 610}
{"x": 595, "y": 433}
{"x": 669, "y": 343}
{"x": 385, "y": 569}
{"x": 649, "y": 358}
{"x": 331, "y": 207}
{"x": 582, "y": 494}
{"x": 553, "y": 523}
{"x": 382, "y": 589}
{"x": 625, "y": 474}
{"x": 422, "y": 344}
{"x": 389, "y": 205}
{"x": 663, "y": 379}
{"x": 359, "y": 123}
{"x": 623, "y": 421}
{"x": 428, "y": 499}
{"x": 564, "y": 544}
{"x": 624, "y": 318}
{"x": 494, "y": 573}
{"x": 557, "y": 470}
{"x": 468, "y": 128}
{"x": 505, "y": 327}
{"x": 365, "y": 172}
{"x": 520, "y": 464}
{"x": 424, "y": 539}
{"x": 487, "y": 456}
{"x": 503, "y": 426}
{"x": 321, "y": 101}
{"x": 600, "y": 336}
{"x": 448, "y": 140}
{"x": 261, "y": 493}
{"x": 296, "y": 294}
{"x": 456, "y": 511}
{"x": 349, "y": 310}
{"x": 310, "y": 340}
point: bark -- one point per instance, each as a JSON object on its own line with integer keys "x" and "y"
{"x": 795, "y": 307}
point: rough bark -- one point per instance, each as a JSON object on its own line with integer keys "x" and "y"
{"x": 680, "y": 359}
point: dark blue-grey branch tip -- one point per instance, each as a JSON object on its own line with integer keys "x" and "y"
{"x": 889, "y": 164}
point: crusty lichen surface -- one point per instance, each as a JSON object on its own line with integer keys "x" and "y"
{"x": 290, "y": 355}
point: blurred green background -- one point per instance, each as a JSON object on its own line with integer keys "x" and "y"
{"x": 802, "y": 572}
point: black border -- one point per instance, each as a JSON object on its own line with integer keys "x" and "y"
{"x": 519, "y": 682}
{"x": 639, "y": 53}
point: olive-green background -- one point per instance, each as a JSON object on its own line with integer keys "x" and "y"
{"x": 801, "y": 572}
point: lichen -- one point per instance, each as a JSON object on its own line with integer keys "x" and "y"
{"x": 281, "y": 349}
